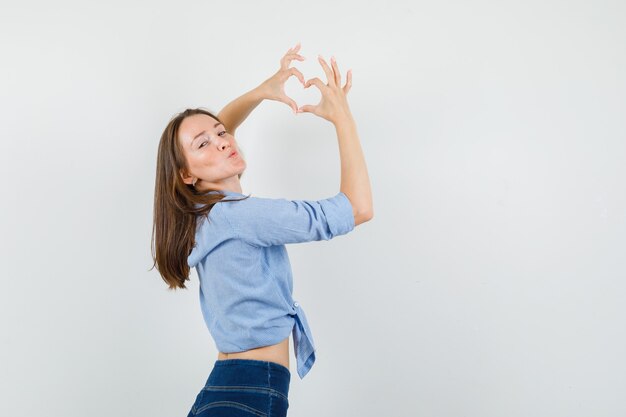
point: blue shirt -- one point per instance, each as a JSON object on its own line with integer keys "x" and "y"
{"x": 245, "y": 276}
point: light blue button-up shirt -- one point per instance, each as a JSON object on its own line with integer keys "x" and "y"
{"x": 245, "y": 276}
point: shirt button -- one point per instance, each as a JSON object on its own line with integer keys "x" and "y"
{"x": 296, "y": 304}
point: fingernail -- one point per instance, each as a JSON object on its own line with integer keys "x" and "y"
{"x": 332, "y": 57}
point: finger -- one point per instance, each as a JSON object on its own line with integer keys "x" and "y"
{"x": 286, "y": 60}
{"x": 346, "y": 87}
{"x": 294, "y": 49}
{"x": 307, "y": 108}
{"x": 295, "y": 56}
{"x": 290, "y": 102}
{"x": 318, "y": 83}
{"x": 333, "y": 62}
{"x": 328, "y": 71}
{"x": 297, "y": 73}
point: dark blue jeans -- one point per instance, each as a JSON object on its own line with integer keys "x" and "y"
{"x": 244, "y": 388}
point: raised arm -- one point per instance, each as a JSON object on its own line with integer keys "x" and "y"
{"x": 355, "y": 183}
{"x": 235, "y": 112}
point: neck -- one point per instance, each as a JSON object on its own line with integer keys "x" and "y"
{"x": 231, "y": 185}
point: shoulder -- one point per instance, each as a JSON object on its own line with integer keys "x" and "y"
{"x": 251, "y": 205}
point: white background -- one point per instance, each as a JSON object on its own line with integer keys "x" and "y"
{"x": 489, "y": 283}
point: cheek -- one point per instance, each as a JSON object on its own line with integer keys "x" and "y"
{"x": 213, "y": 159}
{"x": 207, "y": 158}
{"x": 198, "y": 161}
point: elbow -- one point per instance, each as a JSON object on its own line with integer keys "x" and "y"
{"x": 363, "y": 216}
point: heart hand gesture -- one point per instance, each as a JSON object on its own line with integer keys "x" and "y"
{"x": 334, "y": 105}
{"x": 274, "y": 87}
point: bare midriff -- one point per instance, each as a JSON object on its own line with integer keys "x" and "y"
{"x": 278, "y": 353}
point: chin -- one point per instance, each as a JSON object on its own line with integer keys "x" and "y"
{"x": 241, "y": 170}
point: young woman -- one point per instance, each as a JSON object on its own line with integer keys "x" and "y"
{"x": 237, "y": 242}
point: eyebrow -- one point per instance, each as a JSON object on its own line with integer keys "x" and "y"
{"x": 203, "y": 132}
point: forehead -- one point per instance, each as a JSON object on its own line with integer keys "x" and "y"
{"x": 194, "y": 124}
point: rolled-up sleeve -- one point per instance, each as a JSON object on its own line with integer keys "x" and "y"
{"x": 278, "y": 221}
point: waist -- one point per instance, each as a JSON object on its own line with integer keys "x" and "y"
{"x": 249, "y": 377}
{"x": 278, "y": 353}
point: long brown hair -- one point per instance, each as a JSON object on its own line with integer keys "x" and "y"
{"x": 175, "y": 206}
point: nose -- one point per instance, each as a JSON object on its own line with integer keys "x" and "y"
{"x": 223, "y": 143}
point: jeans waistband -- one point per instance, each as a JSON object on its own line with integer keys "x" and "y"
{"x": 250, "y": 373}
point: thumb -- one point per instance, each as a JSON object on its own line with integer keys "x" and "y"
{"x": 292, "y": 104}
{"x": 307, "y": 108}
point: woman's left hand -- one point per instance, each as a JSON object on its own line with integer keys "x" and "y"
{"x": 274, "y": 87}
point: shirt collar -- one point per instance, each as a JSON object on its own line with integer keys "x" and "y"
{"x": 226, "y": 192}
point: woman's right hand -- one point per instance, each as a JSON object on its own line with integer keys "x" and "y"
{"x": 334, "y": 105}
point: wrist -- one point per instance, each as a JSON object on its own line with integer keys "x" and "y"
{"x": 343, "y": 119}
{"x": 260, "y": 92}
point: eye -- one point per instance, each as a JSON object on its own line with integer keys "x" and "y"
{"x": 222, "y": 133}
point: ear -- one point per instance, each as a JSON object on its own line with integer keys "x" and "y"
{"x": 187, "y": 179}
